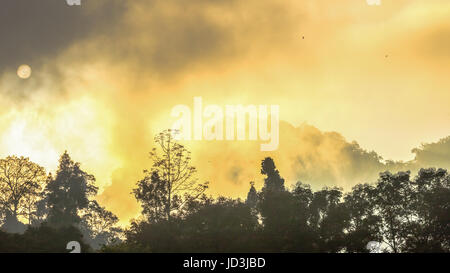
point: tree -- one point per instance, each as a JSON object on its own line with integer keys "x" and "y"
{"x": 170, "y": 183}
{"x": 273, "y": 181}
{"x": 152, "y": 192}
{"x": 429, "y": 231}
{"x": 252, "y": 196}
{"x": 225, "y": 225}
{"x": 304, "y": 236}
{"x": 277, "y": 209}
{"x": 42, "y": 239}
{"x": 68, "y": 192}
{"x": 21, "y": 182}
{"x": 99, "y": 226}
{"x": 329, "y": 219}
{"x": 364, "y": 225}
{"x": 393, "y": 201}
{"x": 154, "y": 236}
{"x": 208, "y": 225}
{"x": 42, "y": 209}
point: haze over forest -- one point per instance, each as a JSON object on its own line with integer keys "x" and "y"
{"x": 106, "y": 75}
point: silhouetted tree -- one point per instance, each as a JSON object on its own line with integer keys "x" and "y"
{"x": 225, "y": 225}
{"x": 304, "y": 236}
{"x": 393, "y": 204}
{"x": 252, "y": 196}
{"x": 276, "y": 206}
{"x": 21, "y": 182}
{"x": 429, "y": 228}
{"x": 221, "y": 225}
{"x": 155, "y": 236}
{"x": 329, "y": 218}
{"x": 364, "y": 225}
{"x": 99, "y": 226}
{"x": 152, "y": 194}
{"x": 68, "y": 192}
{"x": 170, "y": 183}
{"x": 42, "y": 209}
{"x": 273, "y": 180}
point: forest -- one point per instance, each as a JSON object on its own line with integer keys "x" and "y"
{"x": 42, "y": 212}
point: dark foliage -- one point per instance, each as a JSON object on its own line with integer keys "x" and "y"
{"x": 43, "y": 239}
{"x": 403, "y": 214}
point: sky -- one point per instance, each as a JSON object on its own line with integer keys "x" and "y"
{"x": 361, "y": 88}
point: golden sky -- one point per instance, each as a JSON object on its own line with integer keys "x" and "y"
{"x": 106, "y": 75}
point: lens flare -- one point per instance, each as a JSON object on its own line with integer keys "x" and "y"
{"x": 24, "y": 71}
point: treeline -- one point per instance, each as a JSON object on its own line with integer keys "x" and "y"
{"x": 405, "y": 214}
{"x": 42, "y": 213}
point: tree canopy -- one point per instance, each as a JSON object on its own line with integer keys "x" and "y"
{"x": 401, "y": 212}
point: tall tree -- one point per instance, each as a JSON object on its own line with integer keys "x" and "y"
{"x": 252, "y": 196}
{"x": 429, "y": 231}
{"x": 393, "y": 201}
{"x": 276, "y": 206}
{"x": 21, "y": 182}
{"x": 69, "y": 192}
{"x": 273, "y": 180}
{"x": 170, "y": 183}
